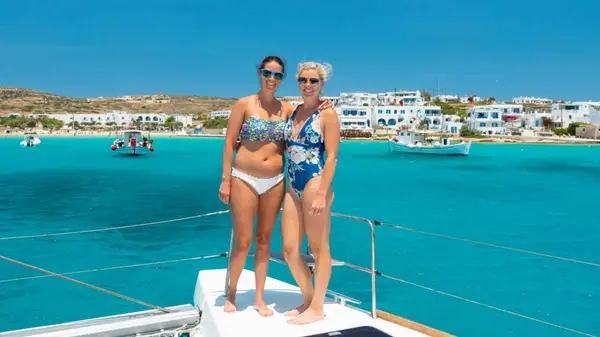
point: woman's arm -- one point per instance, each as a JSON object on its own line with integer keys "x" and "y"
{"x": 288, "y": 110}
{"x": 234, "y": 124}
{"x": 330, "y": 126}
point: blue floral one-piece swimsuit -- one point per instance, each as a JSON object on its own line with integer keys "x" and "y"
{"x": 306, "y": 152}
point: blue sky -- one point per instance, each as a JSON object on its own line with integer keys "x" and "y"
{"x": 89, "y": 48}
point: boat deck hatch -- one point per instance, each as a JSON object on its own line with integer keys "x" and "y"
{"x": 360, "y": 331}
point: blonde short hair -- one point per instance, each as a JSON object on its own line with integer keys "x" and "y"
{"x": 323, "y": 69}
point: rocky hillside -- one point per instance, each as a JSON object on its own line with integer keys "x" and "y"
{"x": 26, "y": 101}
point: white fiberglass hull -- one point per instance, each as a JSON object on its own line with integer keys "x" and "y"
{"x": 34, "y": 142}
{"x": 132, "y": 151}
{"x": 461, "y": 149}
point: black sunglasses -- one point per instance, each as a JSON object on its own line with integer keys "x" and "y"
{"x": 312, "y": 80}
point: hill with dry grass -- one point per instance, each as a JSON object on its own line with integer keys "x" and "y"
{"x": 25, "y": 101}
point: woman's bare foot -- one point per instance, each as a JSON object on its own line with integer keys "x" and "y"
{"x": 307, "y": 317}
{"x": 297, "y": 311}
{"x": 263, "y": 310}
{"x": 229, "y": 305}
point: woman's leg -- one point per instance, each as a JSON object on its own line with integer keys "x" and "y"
{"x": 269, "y": 204}
{"x": 292, "y": 231}
{"x": 243, "y": 204}
{"x": 317, "y": 231}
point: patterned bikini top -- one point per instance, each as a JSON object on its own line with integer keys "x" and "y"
{"x": 263, "y": 130}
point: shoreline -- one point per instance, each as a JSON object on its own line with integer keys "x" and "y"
{"x": 484, "y": 140}
{"x": 100, "y": 134}
{"x": 520, "y": 140}
{"x": 527, "y": 140}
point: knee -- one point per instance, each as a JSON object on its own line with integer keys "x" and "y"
{"x": 243, "y": 244}
{"x": 263, "y": 241}
{"x": 290, "y": 252}
{"x": 321, "y": 254}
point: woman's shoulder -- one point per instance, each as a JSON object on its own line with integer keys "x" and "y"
{"x": 329, "y": 113}
{"x": 241, "y": 105}
{"x": 245, "y": 100}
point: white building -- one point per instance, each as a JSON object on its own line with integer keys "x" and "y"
{"x": 447, "y": 98}
{"x": 355, "y": 117}
{"x": 534, "y": 119}
{"x": 595, "y": 117}
{"x": 357, "y": 99}
{"x": 297, "y": 100}
{"x": 490, "y": 119}
{"x": 407, "y": 116}
{"x": 531, "y": 100}
{"x": 487, "y": 120}
{"x": 470, "y": 99}
{"x": 220, "y": 114}
{"x": 451, "y": 124}
{"x": 402, "y": 97}
{"x": 120, "y": 118}
{"x": 564, "y": 114}
{"x": 143, "y": 99}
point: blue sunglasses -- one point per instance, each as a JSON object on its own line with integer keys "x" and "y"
{"x": 268, "y": 73}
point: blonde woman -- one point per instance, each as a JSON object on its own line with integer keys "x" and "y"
{"x": 312, "y": 138}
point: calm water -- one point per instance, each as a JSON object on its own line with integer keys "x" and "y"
{"x": 535, "y": 197}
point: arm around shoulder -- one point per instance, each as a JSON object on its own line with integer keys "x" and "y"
{"x": 288, "y": 108}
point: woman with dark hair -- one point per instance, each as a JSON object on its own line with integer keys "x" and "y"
{"x": 257, "y": 191}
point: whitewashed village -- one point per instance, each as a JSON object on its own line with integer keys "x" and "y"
{"x": 367, "y": 115}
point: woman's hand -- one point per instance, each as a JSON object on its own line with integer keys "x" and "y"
{"x": 318, "y": 205}
{"x": 325, "y": 104}
{"x": 224, "y": 191}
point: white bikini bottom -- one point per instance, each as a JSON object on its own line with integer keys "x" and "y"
{"x": 260, "y": 185}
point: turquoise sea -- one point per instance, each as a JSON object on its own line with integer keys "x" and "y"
{"x": 542, "y": 198}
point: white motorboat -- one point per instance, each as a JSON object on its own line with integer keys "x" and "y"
{"x": 30, "y": 141}
{"x": 133, "y": 144}
{"x": 414, "y": 142}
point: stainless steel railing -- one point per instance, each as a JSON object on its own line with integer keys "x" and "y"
{"x": 338, "y": 297}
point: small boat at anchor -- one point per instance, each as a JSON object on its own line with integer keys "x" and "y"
{"x": 408, "y": 141}
{"x": 133, "y": 144}
{"x": 30, "y": 141}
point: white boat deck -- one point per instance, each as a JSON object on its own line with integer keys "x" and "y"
{"x": 280, "y": 297}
